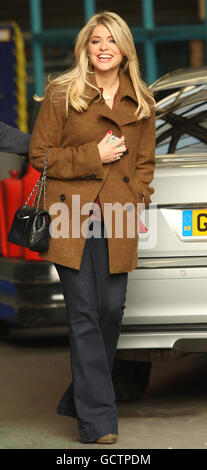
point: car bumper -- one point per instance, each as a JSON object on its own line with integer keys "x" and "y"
{"x": 166, "y": 305}
{"x": 179, "y": 341}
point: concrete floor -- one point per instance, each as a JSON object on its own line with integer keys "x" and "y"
{"x": 35, "y": 371}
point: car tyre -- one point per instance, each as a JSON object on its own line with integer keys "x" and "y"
{"x": 130, "y": 379}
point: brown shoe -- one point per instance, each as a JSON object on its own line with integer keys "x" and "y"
{"x": 107, "y": 439}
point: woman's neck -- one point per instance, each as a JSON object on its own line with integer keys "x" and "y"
{"x": 107, "y": 81}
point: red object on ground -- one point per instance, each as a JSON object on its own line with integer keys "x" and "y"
{"x": 12, "y": 200}
{"x": 14, "y": 192}
{"x": 3, "y": 231}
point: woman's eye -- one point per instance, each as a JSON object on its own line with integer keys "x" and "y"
{"x": 96, "y": 40}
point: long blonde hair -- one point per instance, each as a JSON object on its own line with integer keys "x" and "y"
{"x": 73, "y": 81}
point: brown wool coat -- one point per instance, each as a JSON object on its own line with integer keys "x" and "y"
{"x": 75, "y": 168}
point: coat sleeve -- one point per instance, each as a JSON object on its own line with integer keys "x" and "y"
{"x": 145, "y": 164}
{"x": 63, "y": 163}
{"x": 13, "y": 140}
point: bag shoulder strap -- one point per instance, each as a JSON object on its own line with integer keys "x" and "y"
{"x": 40, "y": 184}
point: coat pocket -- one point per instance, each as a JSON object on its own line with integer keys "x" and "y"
{"x": 141, "y": 193}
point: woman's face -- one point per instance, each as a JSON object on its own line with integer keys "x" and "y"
{"x": 102, "y": 50}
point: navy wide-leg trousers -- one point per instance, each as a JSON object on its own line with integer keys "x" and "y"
{"x": 95, "y": 301}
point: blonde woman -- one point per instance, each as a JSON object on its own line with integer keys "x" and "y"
{"x": 102, "y": 95}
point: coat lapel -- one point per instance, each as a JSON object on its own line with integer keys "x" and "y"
{"x": 126, "y": 91}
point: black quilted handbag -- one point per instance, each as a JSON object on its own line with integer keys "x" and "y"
{"x": 30, "y": 226}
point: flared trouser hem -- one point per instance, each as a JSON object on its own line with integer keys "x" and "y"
{"x": 66, "y": 411}
{"x": 93, "y": 432}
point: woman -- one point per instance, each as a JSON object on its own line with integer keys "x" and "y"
{"x": 101, "y": 95}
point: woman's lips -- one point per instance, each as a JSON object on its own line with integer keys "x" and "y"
{"x": 104, "y": 58}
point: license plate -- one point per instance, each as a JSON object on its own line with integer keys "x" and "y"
{"x": 194, "y": 223}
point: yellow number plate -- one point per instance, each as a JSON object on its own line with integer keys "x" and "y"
{"x": 194, "y": 223}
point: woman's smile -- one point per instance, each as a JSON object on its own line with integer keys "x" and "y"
{"x": 104, "y": 57}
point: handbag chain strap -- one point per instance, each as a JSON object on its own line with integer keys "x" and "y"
{"x": 40, "y": 184}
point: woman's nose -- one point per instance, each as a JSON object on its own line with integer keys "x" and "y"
{"x": 103, "y": 45}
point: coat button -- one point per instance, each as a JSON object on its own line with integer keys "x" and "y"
{"x": 62, "y": 197}
{"x": 126, "y": 179}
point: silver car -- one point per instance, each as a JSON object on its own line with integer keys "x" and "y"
{"x": 166, "y": 311}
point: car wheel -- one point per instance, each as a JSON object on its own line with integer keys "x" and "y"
{"x": 130, "y": 379}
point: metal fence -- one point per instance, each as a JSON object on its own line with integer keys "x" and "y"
{"x": 149, "y": 34}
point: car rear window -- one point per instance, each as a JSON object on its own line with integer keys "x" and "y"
{"x": 181, "y": 124}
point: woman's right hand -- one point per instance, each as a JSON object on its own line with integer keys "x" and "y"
{"x": 109, "y": 152}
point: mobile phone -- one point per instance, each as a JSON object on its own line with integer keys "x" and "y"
{"x": 113, "y": 138}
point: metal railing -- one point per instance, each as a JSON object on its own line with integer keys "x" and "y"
{"x": 148, "y": 34}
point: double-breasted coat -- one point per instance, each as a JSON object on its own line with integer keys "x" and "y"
{"x": 76, "y": 169}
